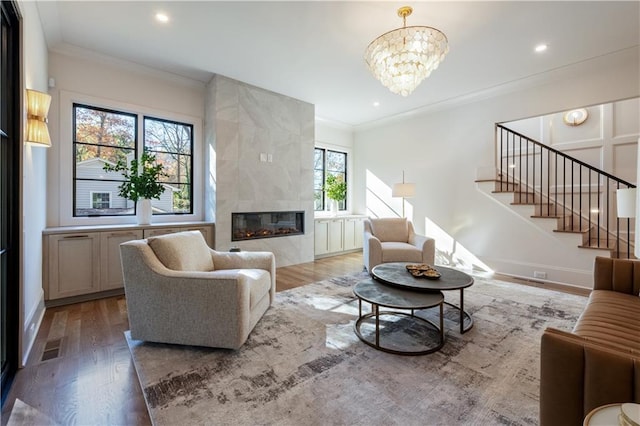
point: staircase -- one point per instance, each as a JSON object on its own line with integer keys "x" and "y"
{"x": 569, "y": 195}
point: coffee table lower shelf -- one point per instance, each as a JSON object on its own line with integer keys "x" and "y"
{"x": 380, "y": 295}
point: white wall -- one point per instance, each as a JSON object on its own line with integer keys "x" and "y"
{"x": 441, "y": 151}
{"x": 339, "y": 137}
{"x": 34, "y": 194}
{"x": 111, "y": 83}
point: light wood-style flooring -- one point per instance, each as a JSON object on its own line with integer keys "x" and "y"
{"x": 80, "y": 370}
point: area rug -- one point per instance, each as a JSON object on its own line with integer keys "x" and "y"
{"x": 304, "y": 365}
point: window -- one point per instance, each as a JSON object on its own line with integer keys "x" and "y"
{"x": 172, "y": 145}
{"x": 100, "y": 200}
{"x": 103, "y": 136}
{"x": 327, "y": 162}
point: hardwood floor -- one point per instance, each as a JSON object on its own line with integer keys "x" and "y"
{"x": 80, "y": 370}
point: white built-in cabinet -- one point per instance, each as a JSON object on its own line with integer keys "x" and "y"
{"x": 336, "y": 235}
{"x": 83, "y": 262}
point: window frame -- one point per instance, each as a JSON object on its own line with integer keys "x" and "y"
{"x": 75, "y": 164}
{"x": 325, "y": 171}
{"x": 60, "y": 209}
{"x": 190, "y": 155}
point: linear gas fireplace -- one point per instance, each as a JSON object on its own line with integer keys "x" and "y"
{"x": 249, "y": 226}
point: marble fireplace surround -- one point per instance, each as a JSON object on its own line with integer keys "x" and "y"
{"x": 244, "y": 126}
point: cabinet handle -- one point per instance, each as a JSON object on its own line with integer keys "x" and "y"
{"x": 75, "y": 236}
{"x": 121, "y": 234}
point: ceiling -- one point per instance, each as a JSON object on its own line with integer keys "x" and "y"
{"x": 313, "y": 50}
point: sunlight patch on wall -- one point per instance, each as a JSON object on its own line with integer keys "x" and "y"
{"x": 380, "y": 203}
{"x": 450, "y": 252}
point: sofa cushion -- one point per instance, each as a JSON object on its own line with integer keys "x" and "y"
{"x": 390, "y": 229}
{"x": 182, "y": 251}
{"x": 611, "y": 318}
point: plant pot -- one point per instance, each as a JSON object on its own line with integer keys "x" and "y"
{"x": 333, "y": 205}
{"x": 143, "y": 211}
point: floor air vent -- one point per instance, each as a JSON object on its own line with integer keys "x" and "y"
{"x": 51, "y": 350}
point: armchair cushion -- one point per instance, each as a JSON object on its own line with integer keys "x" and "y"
{"x": 400, "y": 252}
{"x": 183, "y": 251}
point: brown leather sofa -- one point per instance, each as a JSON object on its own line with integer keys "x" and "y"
{"x": 597, "y": 363}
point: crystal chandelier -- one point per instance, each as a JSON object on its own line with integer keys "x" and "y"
{"x": 403, "y": 57}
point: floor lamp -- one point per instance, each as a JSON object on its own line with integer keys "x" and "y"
{"x": 626, "y": 207}
{"x": 403, "y": 190}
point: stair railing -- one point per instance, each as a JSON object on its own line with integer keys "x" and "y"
{"x": 555, "y": 183}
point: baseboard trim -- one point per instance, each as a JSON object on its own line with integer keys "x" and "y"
{"x": 30, "y": 331}
{"x": 84, "y": 298}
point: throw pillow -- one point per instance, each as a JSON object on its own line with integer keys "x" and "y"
{"x": 182, "y": 251}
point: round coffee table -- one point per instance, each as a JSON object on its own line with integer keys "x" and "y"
{"x": 380, "y": 295}
{"x": 396, "y": 274}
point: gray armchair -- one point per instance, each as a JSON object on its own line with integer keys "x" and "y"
{"x": 394, "y": 240}
{"x": 180, "y": 291}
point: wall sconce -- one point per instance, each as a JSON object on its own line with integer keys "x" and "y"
{"x": 404, "y": 190}
{"x": 626, "y": 202}
{"x": 575, "y": 117}
{"x": 37, "y": 110}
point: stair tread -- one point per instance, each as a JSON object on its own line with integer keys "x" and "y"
{"x": 572, "y": 231}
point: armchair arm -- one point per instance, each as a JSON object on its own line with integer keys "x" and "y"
{"x": 621, "y": 275}
{"x": 371, "y": 251}
{"x": 247, "y": 260}
{"x": 428, "y": 247}
{"x": 426, "y": 244}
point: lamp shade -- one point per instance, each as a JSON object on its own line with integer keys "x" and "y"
{"x": 37, "y": 110}
{"x": 626, "y": 202}
{"x": 404, "y": 190}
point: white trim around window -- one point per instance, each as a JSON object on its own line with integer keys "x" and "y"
{"x": 64, "y": 148}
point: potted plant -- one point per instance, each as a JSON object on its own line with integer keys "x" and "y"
{"x": 336, "y": 189}
{"x": 142, "y": 183}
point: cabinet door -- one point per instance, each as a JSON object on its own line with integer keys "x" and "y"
{"x": 110, "y": 266}
{"x": 354, "y": 229}
{"x": 321, "y": 235}
{"x": 336, "y": 235}
{"x": 74, "y": 264}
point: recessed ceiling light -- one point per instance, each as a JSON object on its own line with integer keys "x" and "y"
{"x": 376, "y": 104}
{"x": 162, "y": 17}
{"x": 541, "y": 48}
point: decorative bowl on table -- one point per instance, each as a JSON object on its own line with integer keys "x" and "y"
{"x": 422, "y": 270}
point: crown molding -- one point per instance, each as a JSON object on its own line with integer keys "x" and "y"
{"x": 85, "y": 54}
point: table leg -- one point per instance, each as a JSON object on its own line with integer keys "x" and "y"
{"x": 377, "y": 313}
{"x": 442, "y": 323}
{"x": 461, "y": 310}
